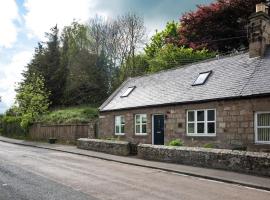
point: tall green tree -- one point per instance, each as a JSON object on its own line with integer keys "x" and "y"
{"x": 36, "y": 64}
{"x": 86, "y": 81}
{"x": 171, "y": 56}
{"x": 32, "y": 99}
{"x": 137, "y": 66}
{"x": 52, "y": 70}
{"x": 160, "y": 38}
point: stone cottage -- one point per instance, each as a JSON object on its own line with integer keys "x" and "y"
{"x": 223, "y": 101}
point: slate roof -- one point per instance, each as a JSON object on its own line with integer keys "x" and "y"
{"x": 231, "y": 77}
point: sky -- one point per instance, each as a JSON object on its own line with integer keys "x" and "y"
{"x": 24, "y": 22}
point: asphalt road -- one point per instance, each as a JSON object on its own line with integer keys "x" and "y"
{"x": 32, "y": 173}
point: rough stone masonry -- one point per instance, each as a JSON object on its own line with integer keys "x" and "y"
{"x": 239, "y": 161}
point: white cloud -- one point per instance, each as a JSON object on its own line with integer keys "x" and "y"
{"x": 41, "y": 15}
{"x": 11, "y": 74}
{"x": 8, "y": 16}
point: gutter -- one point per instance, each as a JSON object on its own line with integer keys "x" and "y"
{"x": 190, "y": 102}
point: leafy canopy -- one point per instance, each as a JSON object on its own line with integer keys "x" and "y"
{"x": 32, "y": 100}
{"x": 170, "y": 56}
{"x": 221, "y": 26}
{"x": 161, "y": 38}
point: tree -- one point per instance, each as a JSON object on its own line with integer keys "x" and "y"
{"x": 138, "y": 68}
{"x": 159, "y": 39}
{"x": 119, "y": 39}
{"x": 36, "y": 64}
{"x": 220, "y": 26}
{"x": 86, "y": 81}
{"x": 32, "y": 99}
{"x": 171, "y": 56}
{"x": 52, "y": 70}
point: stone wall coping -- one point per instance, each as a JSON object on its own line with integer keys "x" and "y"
{"x": 104, "y": 141}
{"x": 209, "y": 150}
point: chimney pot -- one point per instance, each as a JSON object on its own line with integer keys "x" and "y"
{"x": 262, "y": 7}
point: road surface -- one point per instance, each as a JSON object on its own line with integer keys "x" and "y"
{"x": 31, "y": 173}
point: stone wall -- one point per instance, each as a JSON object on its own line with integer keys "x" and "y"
{"x": 121, "y": 148}
{"x": 234, "y": 123}
{"x": 239, "y": 161}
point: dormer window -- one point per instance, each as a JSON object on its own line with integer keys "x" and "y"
{"x": 202, "y": 78}
{"x": 128, "y": 91}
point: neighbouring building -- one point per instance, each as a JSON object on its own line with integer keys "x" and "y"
{"x": 223, "y": 101}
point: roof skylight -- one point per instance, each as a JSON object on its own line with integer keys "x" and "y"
{"x": 128, "y": 91}
{"x": 202, "y": 78}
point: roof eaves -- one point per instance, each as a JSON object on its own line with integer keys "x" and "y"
{"x": 191, "y": 102}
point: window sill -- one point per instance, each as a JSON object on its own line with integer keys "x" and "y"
{"x": 261, "y": 143}
{"x": 201, "y": 135}
{"x": 119, "y": 134}
{"x": 141, "y": 134}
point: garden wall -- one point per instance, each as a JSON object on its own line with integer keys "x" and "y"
{"x": 121, "y": 148}
{"x": 239, "y": 161}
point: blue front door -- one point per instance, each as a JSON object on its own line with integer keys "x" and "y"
{"x": 158, "y": 129}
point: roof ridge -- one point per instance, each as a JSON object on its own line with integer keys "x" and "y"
{"x": 193, "y": 63}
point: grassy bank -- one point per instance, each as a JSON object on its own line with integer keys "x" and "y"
{"x": 80, "y": 114}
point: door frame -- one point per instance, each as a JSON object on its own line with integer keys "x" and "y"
{"x": 153, "y": 134}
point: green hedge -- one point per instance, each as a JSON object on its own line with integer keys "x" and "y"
{"x": 10, "y": 126}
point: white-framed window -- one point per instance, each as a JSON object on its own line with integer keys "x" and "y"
{"x": 201, "y": 122}
{"x": 140, "y": 124}
{"x": 119, "y": 125}
{"x": 262, "y": 127}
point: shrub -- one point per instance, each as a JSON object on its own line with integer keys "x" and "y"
{"x": 176, "y": 142}
{"x": 209, "y": 145}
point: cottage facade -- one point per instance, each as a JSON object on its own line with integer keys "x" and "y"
{"x": 223, "y": 101}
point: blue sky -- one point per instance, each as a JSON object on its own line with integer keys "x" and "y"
{"x": 23, "y": 23}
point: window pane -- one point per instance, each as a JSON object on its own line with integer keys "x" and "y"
{"x": 264, "y": 119}
{"x": 127, "y": 91}
{"x": 191, "y": 116}
{"x": 143, "y": 118}
{"x": 138, "y": 129}
{"x": 122, "y": 128}
{"x": 264, "y": 134}
{"x": 210, "y": 127}
{"x": 200, "y": 115}
{"x": 211, "y": 115}
{"x": 116, "y": 119}
{"x": 117, "y": 129}
{"x": 137, "y": 119}
{"x": 144, "y": 128}
{"x": 200, "y": 127}
{"x": 191, "y": 127}
{"x": 122, "y": 120}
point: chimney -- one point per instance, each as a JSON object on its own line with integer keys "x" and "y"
{"x": 259, "y": 31}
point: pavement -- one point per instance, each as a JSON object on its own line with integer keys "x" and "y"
{"x": 205, "y": 173}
